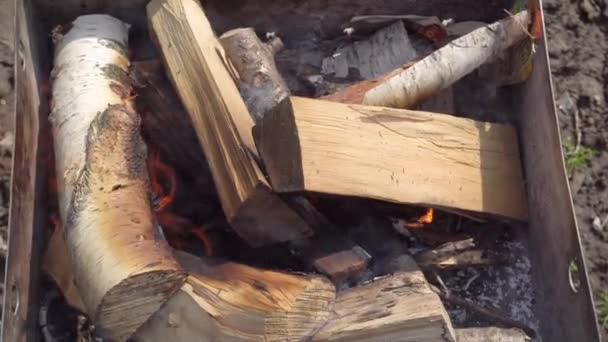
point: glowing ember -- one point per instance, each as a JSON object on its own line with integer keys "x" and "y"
{"x": 199, "y": 232}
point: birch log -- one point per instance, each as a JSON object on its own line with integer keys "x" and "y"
{"x": 449, "y": 64}
{"x": 259, "y": 81}
{"x": 122, "y": 267}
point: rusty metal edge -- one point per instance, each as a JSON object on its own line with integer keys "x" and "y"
{"x": 26, "y": 216}
{"x": 553, "y": 237}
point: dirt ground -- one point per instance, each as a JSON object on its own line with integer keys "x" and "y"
{"x": 578, "y": 45}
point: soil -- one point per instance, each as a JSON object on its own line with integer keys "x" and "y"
{"x": 578, "y": 46}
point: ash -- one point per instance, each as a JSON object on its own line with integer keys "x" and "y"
{"x": 507, "y": 288}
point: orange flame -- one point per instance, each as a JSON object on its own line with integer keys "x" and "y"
{"x": 421, "y": 221}
{"x": 175, "y": 227}
{"x": 158, "y": 169}
{"x": 427, "y": 217}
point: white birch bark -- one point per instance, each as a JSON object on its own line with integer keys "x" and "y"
{"x": 122, "y": 268}
{"x": 449, "y": 64}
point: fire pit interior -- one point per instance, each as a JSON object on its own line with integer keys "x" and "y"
{"x": 261, "y": 228}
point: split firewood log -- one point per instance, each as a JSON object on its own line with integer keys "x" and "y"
{"x": 122, "y": 267}
{"x": 399, "y": 308}
{"x": 195, "y": 63}
{"x": 259, "y": 81}
{"x": 450, "y": 162}
{"x": 226, "y": 301}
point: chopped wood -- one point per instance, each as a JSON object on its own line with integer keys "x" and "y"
{"x": 343, "y": 265}
{"x": 400, "y": 307}
{"x": 194, "y": 61}
{"x": 225, "y": 301}
{"x": 258, "y": 79}
{"x": 384, "y": 51}
{"x": 457, "y": 254}
{"x": 352, "y": 150}
{"x": 453, "y": 247}
{"x": 331, "y": 253}
{"x": 123, "y": 269}
{"x": 492, "y": 334}
{"x": 460, "y": 259}
{"x": 447, "y": 65}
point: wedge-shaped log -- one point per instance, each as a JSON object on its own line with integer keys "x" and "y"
{"x": 196, "y": 64}
{"x": 393, "y": 155}
{"x": 397, "y": 308}
{"x": 122, "y": 267}
{"x": 225, "y": 301}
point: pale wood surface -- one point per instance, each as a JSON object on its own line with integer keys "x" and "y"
{"x": 225, "y": 301}
{"x": 397, "y": 308}
{"x": 196, "y": 64}
{"x": 394, "y": 155}
{"x": 123, "y": 269}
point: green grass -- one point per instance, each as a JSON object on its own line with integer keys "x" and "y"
{"x": 602, "y": 309}
{"x": 577, "y": 159}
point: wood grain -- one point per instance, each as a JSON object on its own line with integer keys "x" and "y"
{"x": 225, "y": 301}
{"x": 196, "y": 64}
{"x": 394, "y": 155}
{"x": 397, "y": 308}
